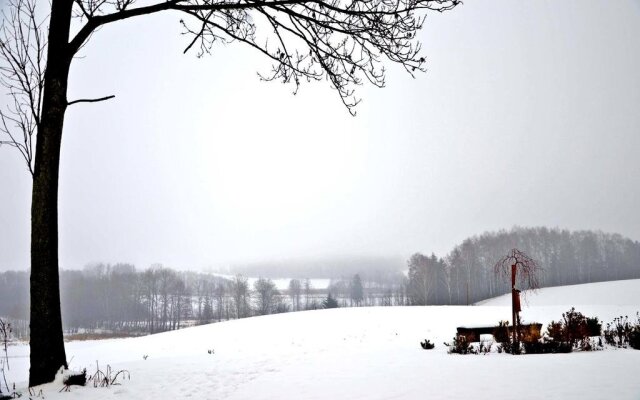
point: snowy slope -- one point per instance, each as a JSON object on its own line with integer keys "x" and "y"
{"x": 358, "y": 353}
{"x": 602, "y": 293}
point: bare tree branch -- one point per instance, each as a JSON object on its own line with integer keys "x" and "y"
{"x": 528, "y": 269}
{"x": 90, "y": 100}
{"x": 180, "y": 5}
{"x": 22, "y": 60}
{"x": 343, "y": 41}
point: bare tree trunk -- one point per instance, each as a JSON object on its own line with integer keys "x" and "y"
{"x": 46, "y": 342}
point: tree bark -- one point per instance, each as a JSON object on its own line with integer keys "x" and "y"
{"x": 46, "y": 341}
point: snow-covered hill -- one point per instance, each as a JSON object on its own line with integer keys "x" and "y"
{"x": 602, "y": 293}
{"x": 361, "y": 353}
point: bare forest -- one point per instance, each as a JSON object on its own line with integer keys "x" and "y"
{"x": 118, "y": 299}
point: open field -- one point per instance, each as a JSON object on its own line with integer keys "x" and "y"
{"x": 360, "y": 353}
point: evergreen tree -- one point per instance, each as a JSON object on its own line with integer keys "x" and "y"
{"x": 207, "y": 313}
{"x": 330, "y": 302}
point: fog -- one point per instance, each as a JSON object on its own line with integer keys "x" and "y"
{"x": 528, "y": 115}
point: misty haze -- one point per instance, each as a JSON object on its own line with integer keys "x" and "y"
{"x": 312, "y": 199}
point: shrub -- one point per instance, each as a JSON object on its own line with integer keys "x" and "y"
{"x": 573, "y": 330}
{"x": 485, "y": 347}
{"x": 623, "y": 333}
{"x": 552, "y": 346}
{"x": 536, "y": 347}
{"x": 78, "y": 379}
{"x": 617, "y": 332}
{"x": 575, "y": 327}
{"x": 634, "y": 338}
{"x": 510, "y": 347}
{"x": 501, "y": 332}
{"x": 531, "y": 342}
{"x": 460, "y": 346}
{"x": 547, "y": 345}
{"x": 555, "y": 331}
{"x": 502, "y": 336}
{"x": 427, "y": 345}
{"x": 108, "y": 377}
{"x": 594, "y": 326}
{"x": 591, "y": 344}
{"x": 530, "y": 335}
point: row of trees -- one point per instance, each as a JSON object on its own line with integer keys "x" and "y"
{"x": 120, "y": 298}
{"x": 466, "y": 275}
{"x": 371, "y": 290}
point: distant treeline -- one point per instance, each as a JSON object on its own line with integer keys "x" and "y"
{"x": 115, "y": 297}
{"x": 465, "y": 275}
{"x": 119, "y": 298}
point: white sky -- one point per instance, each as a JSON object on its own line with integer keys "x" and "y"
{"x": 529, "y": 115}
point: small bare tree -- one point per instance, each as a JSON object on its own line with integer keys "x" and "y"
{"x": 266, "y": 295}
{"x": 295, "y": 290}
{"x": 240, "y": 294}
{"x": 523, "y": 271}
{"x": 5, "y": 335}
{"x": 308, "y": 289}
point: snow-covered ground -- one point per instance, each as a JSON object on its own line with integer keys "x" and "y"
{"x": 361, "y": 353}
{"x": 601, "y": 293}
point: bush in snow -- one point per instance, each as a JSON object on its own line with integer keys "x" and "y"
{"x": 531, "y": 342}
{"x": 78, "y": 379}
{"x": 5, "y": 333}
{"x": 503, "y": 337}
{"x": 510, "y": 347}
{"x": 106, "y": 377}
{"x": 554, "y": 341}
{"x": 485, "y": 346}
{"x": 427, "y": 345}
{"x": 594, "y": 326}
{"x": 460, "y": 345}
{"x": 547, "y": 345}
{"x": 623, "y": 333}
{"x": 501, "y": 332}
{"x": 575, "y": 329}
{"x": 634, "y": 338}
{"x": 617, "y": 332}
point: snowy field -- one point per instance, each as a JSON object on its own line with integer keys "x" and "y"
{"x": 601, "y": 293}
{"x": 361, "y": 353}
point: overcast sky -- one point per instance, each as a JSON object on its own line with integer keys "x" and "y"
{"x": 529, "y": 115}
